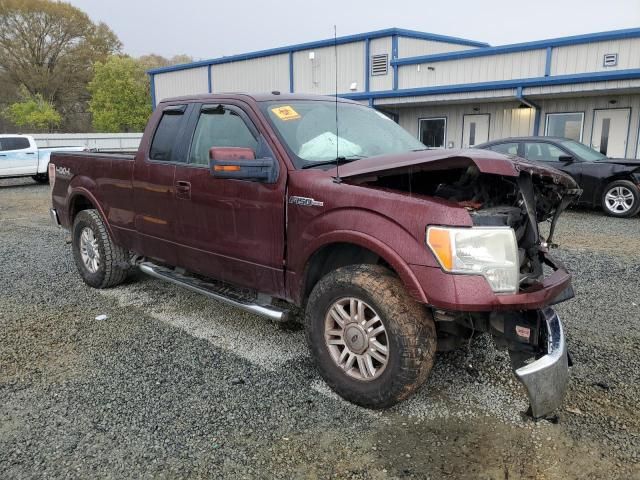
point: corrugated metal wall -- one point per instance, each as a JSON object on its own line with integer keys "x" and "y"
{"x": 473, "y": 70}
{"x": 319, "y": 75}
{"x": 379, "y": 46}
{"x": 506, "y": 119}
{"x": 181, "y": 82}
{"x": 589, "y": 57}
{"x": 110, "y": 141}
{"x": 414, "y": 47}
{"x": 588, "y": 105}
{"x": 256, "y": 75}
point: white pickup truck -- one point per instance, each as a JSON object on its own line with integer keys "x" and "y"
{"x": 21, "y": 157}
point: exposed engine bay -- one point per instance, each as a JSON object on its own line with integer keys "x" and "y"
{"x": 494, "y": 200}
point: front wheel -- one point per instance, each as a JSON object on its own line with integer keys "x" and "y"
{"x": 621, "y": 198}
{"x": 373, "y": 344}
{"x": 100, "y": 262}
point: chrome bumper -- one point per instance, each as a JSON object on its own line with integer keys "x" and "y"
{"x": 546, "y": 378}
{"x": 54, "y": 217}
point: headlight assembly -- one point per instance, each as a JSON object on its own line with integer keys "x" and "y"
{"x": 488, "y": 251}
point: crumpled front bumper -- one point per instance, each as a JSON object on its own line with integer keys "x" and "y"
{"x": 546, "y": 378}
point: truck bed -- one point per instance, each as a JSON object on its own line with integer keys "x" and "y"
{"x": 104, "y": 177}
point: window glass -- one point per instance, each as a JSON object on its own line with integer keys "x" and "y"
{"x": 13, "y": 143}
{"x": 582, "y": 151}
{"x": 166, "y": 135}
{"x": 433, "y": 132}
{"x": 219, "y": 127}
{"x": 566, "y": 125}
{"x": 505, "y": 148}
{"x": 308, "y": 129}
{"x": 542, "y": 152}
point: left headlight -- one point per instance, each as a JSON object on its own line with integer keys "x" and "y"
{"x": 488, "y": 251}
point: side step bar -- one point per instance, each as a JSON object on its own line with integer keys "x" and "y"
{"x": 214, "y": 291}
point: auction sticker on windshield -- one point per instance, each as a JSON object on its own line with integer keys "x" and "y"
{"x": 285, "y": 112}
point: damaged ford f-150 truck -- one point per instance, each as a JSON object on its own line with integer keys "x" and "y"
{"x": 393, "y": 250}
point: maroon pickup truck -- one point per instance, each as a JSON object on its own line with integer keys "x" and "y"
{"x": 393, "y": 250}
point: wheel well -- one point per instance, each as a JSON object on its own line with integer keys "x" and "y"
{"x": 79, "y": 203}
{"x": 333, "y": 256}
{"x": 613, "y": 178}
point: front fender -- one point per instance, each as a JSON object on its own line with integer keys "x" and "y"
{"x": 366, "y": 229}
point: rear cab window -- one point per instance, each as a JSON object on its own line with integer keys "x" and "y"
{"x": 165, "y": 139}
{"x": 8, "y": 144}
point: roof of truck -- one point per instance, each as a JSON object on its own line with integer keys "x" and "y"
{"x": 258, "y": 97}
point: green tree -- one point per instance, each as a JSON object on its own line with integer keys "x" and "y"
{"x": 120, "y": 98}
{"x": 33, "y": 112}
{"x": 49, "y": 48}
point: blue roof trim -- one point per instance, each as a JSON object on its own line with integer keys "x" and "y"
{"x": 521, "y": 47}
{"x": 501, "y": 84}
{"x": 322, "y": 43}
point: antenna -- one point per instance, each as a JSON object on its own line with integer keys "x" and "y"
{"x": 335, "y": 51}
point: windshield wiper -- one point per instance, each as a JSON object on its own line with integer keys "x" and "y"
{"x": 336, "y": 161}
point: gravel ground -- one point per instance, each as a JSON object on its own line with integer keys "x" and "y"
{"x": 174, "y": 385}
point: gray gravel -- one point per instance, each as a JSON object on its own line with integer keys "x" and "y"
{"x": 173, "y": 385}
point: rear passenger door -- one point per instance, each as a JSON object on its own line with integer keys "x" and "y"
{"x": 17, "y": 156}
{"x": 230, "y": 229}
{"x": 153, "y": 185}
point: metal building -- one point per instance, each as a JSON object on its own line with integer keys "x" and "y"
{"x": 451, "y": 92}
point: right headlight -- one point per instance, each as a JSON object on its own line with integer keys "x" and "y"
{"x": 488, "y": 251}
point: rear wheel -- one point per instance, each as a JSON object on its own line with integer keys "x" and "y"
{"x": 100, "y": 262}
{"x": 373, "y": 344}
{"x": 621, "y": 198}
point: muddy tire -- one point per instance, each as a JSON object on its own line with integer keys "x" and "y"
{"x": 364, "y": 311}
{"x": 100, "y": 262}
{"x": 621, "y": 198}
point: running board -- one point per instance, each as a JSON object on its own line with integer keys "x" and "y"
{"x": 216, "y": 291}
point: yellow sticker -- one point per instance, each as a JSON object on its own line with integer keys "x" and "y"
{"x": 285, "y": 112}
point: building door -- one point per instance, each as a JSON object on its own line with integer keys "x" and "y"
{"x": 433, "y": 132}
{"x": 610, "y": 131}
{"x": 475, "y": 129}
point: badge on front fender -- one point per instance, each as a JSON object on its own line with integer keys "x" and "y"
{"x": 305, "y": 202}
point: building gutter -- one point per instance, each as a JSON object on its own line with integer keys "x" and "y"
{"x": 524, "y": 101}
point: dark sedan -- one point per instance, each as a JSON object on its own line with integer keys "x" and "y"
{"x": 610, "y": 183}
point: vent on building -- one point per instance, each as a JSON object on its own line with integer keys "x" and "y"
{"x": 610, "y": 59}
{"x": 379, "y": 64}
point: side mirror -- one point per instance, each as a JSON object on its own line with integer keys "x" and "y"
{"x": 241, "y": 164}
{"x": 566, "y": 159}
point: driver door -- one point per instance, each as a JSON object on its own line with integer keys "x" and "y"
{"x": 229, "y": 229}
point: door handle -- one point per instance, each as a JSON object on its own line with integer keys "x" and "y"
{"x": 183, "y": 190}
{"x": 31, "y": 153}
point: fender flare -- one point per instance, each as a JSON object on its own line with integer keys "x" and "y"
{"x": 82, "y": 191}
{"x": 384, "y": 251}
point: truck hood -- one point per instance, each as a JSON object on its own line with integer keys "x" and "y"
{"x": 486, "y": 161}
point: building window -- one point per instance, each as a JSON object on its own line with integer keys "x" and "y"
{"x": 433, "y": 132}
{"x": 566, "y": 125}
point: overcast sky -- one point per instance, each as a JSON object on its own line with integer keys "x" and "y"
{"x": 210, "y": 28}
